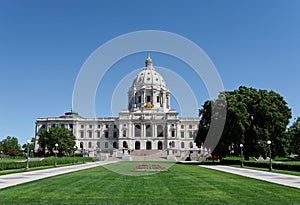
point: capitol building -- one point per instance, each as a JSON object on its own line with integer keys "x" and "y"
{"x": 148, "y": 125}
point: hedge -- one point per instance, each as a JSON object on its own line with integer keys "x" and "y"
{"x": 265, "y": 164}
{"x": 43, "y": 162}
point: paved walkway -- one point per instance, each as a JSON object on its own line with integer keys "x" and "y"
{"x": 20, "y": 178}
{"x": 283, "y": 179}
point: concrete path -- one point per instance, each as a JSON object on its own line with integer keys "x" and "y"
{"x": 20, "y": 178}
{"x": 283, "y": 179}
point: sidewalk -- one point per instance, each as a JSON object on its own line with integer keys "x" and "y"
{"x": 283, "y": 179}
{"x": 20, "y": 178}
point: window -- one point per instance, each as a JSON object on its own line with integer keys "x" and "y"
{"x": 90, "y": 144}
{"x": 182, "y": 145}
{"x": 71, "y": 126}
{"x": 62, "y": 125}
{"x": 190, "y": 134}
{"x": 124, "y": 133}
{"x": 190, "y": 126}
{"x": 137, "y": 130}
{"x": 81, "y": 134}
{"x": 148, "y": 98}
{"x": 148, "y": 131}
{"x": 173, "y": 133}
{"x": 106, "y": 145}
{"x": 81, "y": 145}
{"x": 99, "y": 126}
{"x": 91, "y": 126}
{"x": 106, "y": 134}
{"x": 182, "y": 126}
{"x": 140, "y": 99}
{"x": 98, "y": 134}
{"x": 191, "y": 145}
{"x": 157, "y": 99}
{"x": 115, "y": 134}
{"x": 115, "y": 145}
{"x": 90, "y": 134}
{"x": 160, "y": 131}
{"x": 182, "y": 134}
{"x": 106, "y": 126}
{"x": 98, "y": 144}
{"x": 82, "y": 126}
{"x": 43, "y": 126}
{"x": 115, "y": 126}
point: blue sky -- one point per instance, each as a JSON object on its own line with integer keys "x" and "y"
{"x": 43, "y": 45}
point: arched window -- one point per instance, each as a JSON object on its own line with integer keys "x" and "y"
{"x": 137, "y": 145}
{"x": 148, "y": 145}
{"x": 159, "y": 145}
{"x": 125, "y": 144}
{"x": 148, "y": 131}
{"x": 160, "y": 131}
{"x": 137, "y": 130}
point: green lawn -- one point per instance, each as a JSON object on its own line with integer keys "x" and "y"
{"x": 182, "y": 184}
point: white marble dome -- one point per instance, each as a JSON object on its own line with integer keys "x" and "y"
{"x": 148, "y": 78}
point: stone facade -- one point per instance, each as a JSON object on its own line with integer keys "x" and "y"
{"x": 147, "y": 124}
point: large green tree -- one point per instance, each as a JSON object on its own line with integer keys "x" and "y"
{"x": 253, "y": 117}
{"x": 294, "y": 134}
{"x": 57, "y": 135}
{"x": 10, "y": 146}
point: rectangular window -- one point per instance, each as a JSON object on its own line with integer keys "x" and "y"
{"x": 148, "y": 98}
{"x": 98, "y": 144}
{"x": 90, "y": 134}
{"x": 173, "y": 133}
{"x": 91, "y": 126}
{"x": 106, "y": 126}
{"x": 90, "y": 144}
{"x": 115, "y": 134}
{"x": 182, "y": 134}
{"x": 99, "y": 126}
{"x": 98, "y": 134}
{"x": 82, "y": 126}
{"x": 106, "y": 134}
{"x": 157, "y": 99}
{"x": 191, "y": 134}
{"x": 190, "y": 126}
{"x": 81, "y": 134}
{"x": 71, "y": 126}
{"x": 182, "y": 126}
{"x": 124, "y": 133}
{"x": 140, "y": 99}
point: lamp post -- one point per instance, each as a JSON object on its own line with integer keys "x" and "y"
{"x": 270, "y": 154}
{"x": 75, "y": 148}
{"x": 55, "y": 151}
{"x": 27, "y": 156}
{"x": 242, "y": 162}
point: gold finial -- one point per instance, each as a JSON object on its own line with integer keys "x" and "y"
{"x": 148, "y": 62}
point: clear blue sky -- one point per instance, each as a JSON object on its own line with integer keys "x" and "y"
{"x": 43, "y": 45}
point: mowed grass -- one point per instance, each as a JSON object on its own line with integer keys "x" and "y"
{"x": 182, "y": 184}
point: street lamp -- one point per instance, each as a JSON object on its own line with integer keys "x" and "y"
{"x": 242, "y": 162}
{"x": 55, "y": 151}
{"x": 75, "y": 148}
{"x": 27, "y": 156}
{"x": 270, "y": 154}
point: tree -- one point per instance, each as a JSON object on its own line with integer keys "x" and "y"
{"x": 10, "y": 146}
{"x": 253, "y": 117}
{"x": 294, "y": 134}
{"x": 57, "y": 135}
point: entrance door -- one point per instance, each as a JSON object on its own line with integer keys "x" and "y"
{"x": 148, "y": 145}
{"x": 137, "y": 145}
{"x": 159, "y": 145}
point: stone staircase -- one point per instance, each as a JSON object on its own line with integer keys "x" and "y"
{"x": 149, "y": 155}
